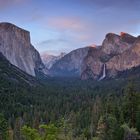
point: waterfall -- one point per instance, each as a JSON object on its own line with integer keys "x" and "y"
{"x": 104, "y": 73}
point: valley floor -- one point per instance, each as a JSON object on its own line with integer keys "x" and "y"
{"x": 70, "y": 109}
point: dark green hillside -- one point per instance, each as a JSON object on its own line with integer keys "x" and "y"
{"x": 11, "y": 75}
{"x": 80, "y": 110}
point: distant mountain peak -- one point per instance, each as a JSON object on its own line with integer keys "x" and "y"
{"x": 7, "y": 24}
{"x": 118, "y": 53}
{"x": 50, "y": 60}
{"x": 70, "y": 64}
{"x": 93, "y": 45}
{"x": 114, "y": 44}
{"x": 122, "y": 33}
{"x": 111, "y": 35}
{"x": 127, "y": 38}
{"x": 12, "y": 27}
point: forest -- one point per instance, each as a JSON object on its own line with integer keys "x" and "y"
{"x": 70, "y": 109}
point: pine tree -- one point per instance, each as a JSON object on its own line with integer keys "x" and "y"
{"x": 132, "y": 101}
{"x": 3, "y": 128}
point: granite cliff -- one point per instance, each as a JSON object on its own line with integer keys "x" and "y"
{"x": 15, "y": 45}
{"x": 117, "y": 53}
{"x": 70, "y": 64}
{"x": 13, "y": 76}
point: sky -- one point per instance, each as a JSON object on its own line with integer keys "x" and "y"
{"x": 64, "y": 25}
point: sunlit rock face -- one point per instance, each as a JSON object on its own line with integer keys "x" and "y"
{"x": 92, "y": 64}
{"x": 16, "y": 47}
{"x": 127, "y": 60}
{"x": 70, "y": 64}
{"x": 114, "y": 44}
{"x": 117, "y": 53}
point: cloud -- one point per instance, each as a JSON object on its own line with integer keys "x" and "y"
{"x": 66, "y": 23}
{"x": 72, "y": 23}
{"x": 8, "y": 3}
{"x": 52, "y": 41}
{"x": 83, "y": 37}
{"x": 71, "y": 28}
{"x": 4, "y": 3}
{"x": 134, "y": 22}
{"x": 55, "y": 46}
{"x": 125, "y": 4}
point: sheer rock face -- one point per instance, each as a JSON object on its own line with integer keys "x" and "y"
{"x": 127, "y": 60}
{"x": 119, "y": 53}
{"x": 115, "y": 44}
{"x": 70, "y": 64}
{"x": 92, "y": 64}
{"x": 14, "y": 75}
{"x": 16, "y": 47}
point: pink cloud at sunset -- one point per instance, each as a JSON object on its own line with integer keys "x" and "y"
{"x": 66, "y": 23}
{"x": 9, "y": 3}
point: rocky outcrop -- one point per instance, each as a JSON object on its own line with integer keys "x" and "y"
{"x": 114, "y": 44}
{"x": 16, "y": 47}
{"x": 70, "y": 64}
{"x": 117, "y": 53}
{"x": 127, "y": 60}
{"x": 92, "y": 64}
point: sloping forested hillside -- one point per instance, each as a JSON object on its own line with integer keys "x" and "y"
{"x": 70, "y": 108}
